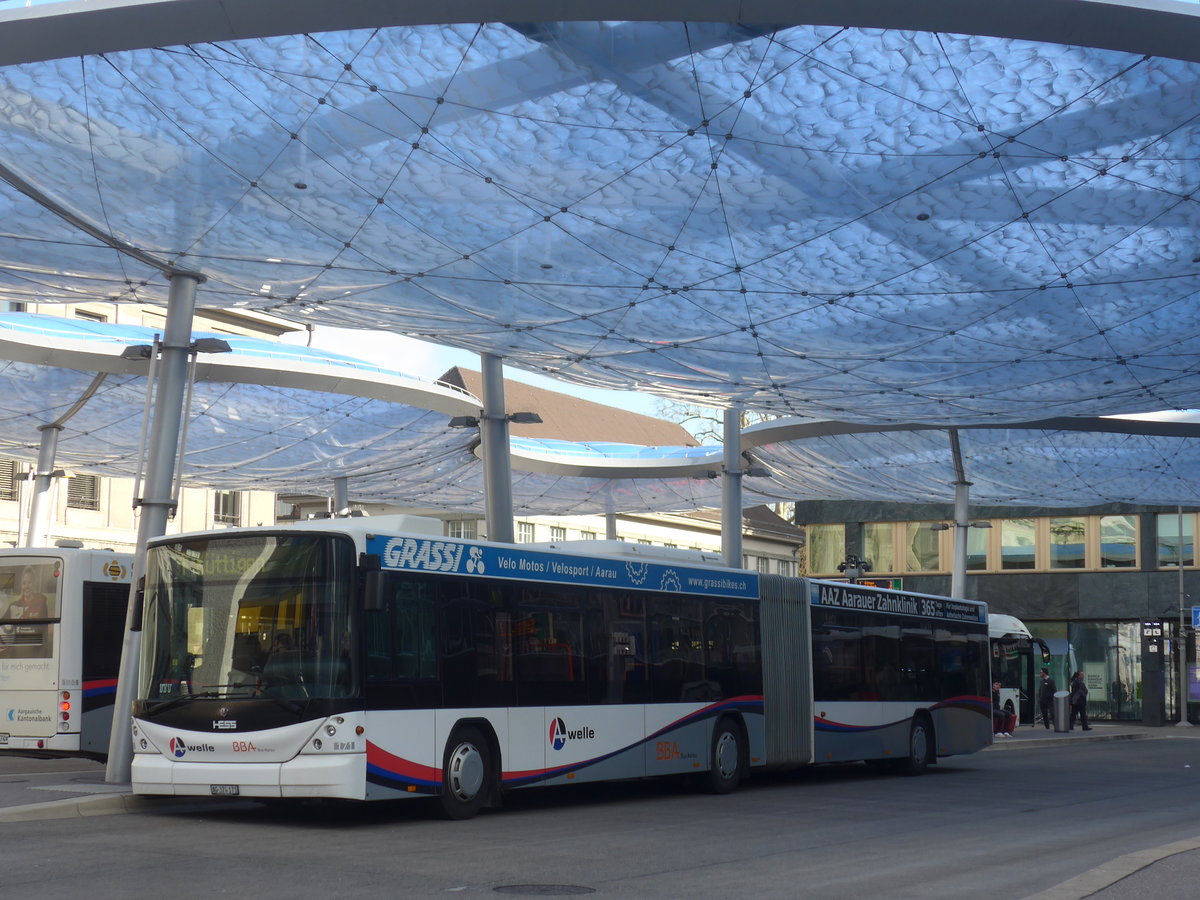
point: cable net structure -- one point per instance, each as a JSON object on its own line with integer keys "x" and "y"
{"x": 869, "y": 225}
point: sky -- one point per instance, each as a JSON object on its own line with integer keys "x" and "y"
{"x": 430, "y": 361}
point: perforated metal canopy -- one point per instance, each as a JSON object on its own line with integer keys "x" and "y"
{"x": 291, "y": 419}
{"x": 873, "y": 225}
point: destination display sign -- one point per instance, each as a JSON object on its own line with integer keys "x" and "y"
{"x": 457, "y": 557}
{"x": 866, "y": 599}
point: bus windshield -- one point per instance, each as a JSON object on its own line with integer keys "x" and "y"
{"x": 248, "y": 616}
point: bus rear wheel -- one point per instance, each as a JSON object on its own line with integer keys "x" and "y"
{"x": 466, "y": 774}
{"x": 726, "y": 759}
{"x": 920, "y": 747}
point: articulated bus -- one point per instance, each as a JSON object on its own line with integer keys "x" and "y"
{"x": 348, "y": 659}
{"x": 1016, "y": 657}
{"x": 62, "y": 621}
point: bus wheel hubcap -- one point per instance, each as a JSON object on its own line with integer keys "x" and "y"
{"x": 726, "y": 755}
{"x": 918, "y": 743}
{"x": 466, "y": 771}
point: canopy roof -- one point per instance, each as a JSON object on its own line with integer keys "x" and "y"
{"x": 291, "y": 419}
{"x": 872, "y": 225}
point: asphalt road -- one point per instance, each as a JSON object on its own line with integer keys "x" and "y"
{"x": 1009, "y": 824}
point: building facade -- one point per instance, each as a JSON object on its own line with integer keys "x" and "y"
{"x": 1104, "y": 586}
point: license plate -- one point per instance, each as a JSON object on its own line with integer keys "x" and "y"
{"x": 224, "y": 790}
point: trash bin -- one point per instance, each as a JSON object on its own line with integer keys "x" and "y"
{"x": 1062, "y": 710}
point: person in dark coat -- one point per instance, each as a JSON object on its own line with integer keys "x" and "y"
{"x": 1079, "y": 694}
{"x": 1046, "y": 698}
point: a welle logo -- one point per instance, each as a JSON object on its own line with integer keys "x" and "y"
{"x": 560, "y": 734}
{"x": 180, "y": 748}
{"x": 430, "y": 556}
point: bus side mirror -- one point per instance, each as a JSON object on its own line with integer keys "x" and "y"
{"x": 373, "y": 591}
{"x": 139, "y": 604}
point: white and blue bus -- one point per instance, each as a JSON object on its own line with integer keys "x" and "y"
{"x": 353, "y": 659}
{"x": 62, "y": 621}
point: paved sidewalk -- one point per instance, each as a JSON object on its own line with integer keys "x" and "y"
{"x": 1027, "y": 736}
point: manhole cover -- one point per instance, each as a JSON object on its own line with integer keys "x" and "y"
{"x": 544, "y": 890}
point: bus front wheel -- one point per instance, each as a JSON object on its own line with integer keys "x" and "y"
{"x": 466, "y": 770}
{"x": 726, "y": 759}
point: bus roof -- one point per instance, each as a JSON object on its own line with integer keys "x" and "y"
{"x": 1002, "y": 626}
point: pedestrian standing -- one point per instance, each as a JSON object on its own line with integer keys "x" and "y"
{"x": 1079, "y": 694}
{"x": 1046, "y": 697}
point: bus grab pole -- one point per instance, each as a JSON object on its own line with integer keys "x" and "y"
{"x": 156, "y": 502}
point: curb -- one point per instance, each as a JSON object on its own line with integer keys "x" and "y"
{"x": 1034, "y": 743}
{"x": 102, "y": 805}
{"x": 1111, "y": 872}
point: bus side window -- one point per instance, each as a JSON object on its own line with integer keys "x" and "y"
{"x": 400, "y": 644}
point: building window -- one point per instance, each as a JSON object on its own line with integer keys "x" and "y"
{"x": 10, "y": 488}
{"x": 644, "y": 541}
{"x": 880, "y": 546}
{"x": 977, "y": 549}
{"x": 922, "y": 548}
{"x": 826, "y": 548}
{"x": 1118, "y": 542}
{"x": 557, "y": 534}
{"x": 786, "y": 567}
{"x": 1067, "y": 544}
{"x": 762, "y": 564}
{"x": 468, "y": 529}
{"x": 90, "y": 316}
{"x": 1018, "y": 544}
{"x": 227, "y": 508}
{"x": 1170, "y": 548}
{"x": 587, "y": 535}
{"x": 524, "y": 532}
{"x": 83, "y": 492}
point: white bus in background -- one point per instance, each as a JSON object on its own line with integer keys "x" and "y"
{"x": 62, "y": 621}
{"x": 1017, "y": 658}
{"x": 375, "y": 659}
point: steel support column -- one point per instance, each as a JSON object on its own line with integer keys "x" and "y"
{"x": 43, "y": 481}
{"x": 497, "y": 464}
{"x": 156, "y": 502}
{"x": 962, "y": 522}
{"x": 731, "y": 490}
